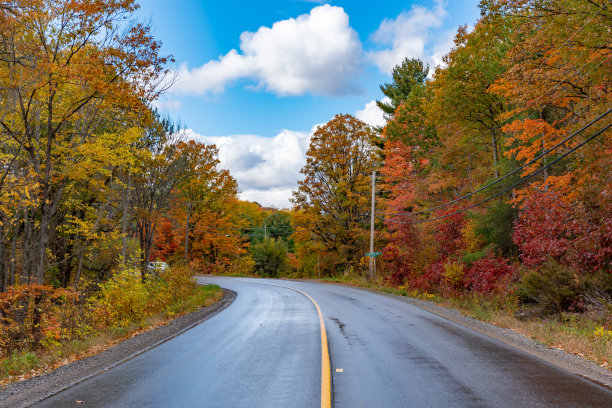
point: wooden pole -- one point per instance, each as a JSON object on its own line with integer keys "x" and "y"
{"x": 372, "y": 214}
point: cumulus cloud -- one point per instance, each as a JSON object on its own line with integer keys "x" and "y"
{"x": 317, "y": 53}
{"x": 410, "y": 34}
{"x": 372, "y": 114}
{"x": 266, "y": 168}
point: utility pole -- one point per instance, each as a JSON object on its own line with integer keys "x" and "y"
{"x": 372, "y": 258}
{"x": 187, "y": 233}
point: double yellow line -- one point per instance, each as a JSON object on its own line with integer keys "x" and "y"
{"x": 325, "y": 362}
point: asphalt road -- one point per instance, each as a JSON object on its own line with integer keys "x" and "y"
{"x": 264, "y": 350}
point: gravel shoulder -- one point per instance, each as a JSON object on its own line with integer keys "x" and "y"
{"x": 28, "y": 392}
{"x": 559, "y": 358}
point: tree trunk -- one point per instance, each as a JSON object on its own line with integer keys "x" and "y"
{"x": 126, "y": 202}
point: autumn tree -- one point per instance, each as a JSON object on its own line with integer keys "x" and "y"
{"x": 466, "y": 111}
{"x": 336, "y": 187}
{"x": 158, "y": 170}
{"x": 206, "y": 210}
{"x": 71, "y": 74}
{"x": 558, "y": 82}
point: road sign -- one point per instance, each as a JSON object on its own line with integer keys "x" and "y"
{"x": 373, "y": 254}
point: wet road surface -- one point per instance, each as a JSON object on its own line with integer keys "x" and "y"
{"x": 264, "y": 351}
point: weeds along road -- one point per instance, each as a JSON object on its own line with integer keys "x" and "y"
{"x": 264, "y": 350}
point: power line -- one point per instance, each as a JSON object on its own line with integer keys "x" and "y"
{"x": 460, "y": 131}
{"x": 524, "y": 179}
{"x": 535, "y": 159}
{"x": 541, "y": 97}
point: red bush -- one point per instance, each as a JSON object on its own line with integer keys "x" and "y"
{"x": 573, "y": 235}
{"x": 490, "y": 274}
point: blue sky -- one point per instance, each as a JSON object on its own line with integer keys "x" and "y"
{"x": 255, "y": 76}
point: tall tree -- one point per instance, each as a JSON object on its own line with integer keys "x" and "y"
{"x": 206, "y": 204}
{"x": 336, "y": 187}
{"x": 158, "y": 171}
{"x": 410, "y": 73}
{"x": 70, "y": 71}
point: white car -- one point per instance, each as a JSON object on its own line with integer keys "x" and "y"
{"x": 156, "y": 267}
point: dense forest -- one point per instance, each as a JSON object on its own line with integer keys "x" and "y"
{"x": 492, "y": 174}
{"x": 493, "y": 169}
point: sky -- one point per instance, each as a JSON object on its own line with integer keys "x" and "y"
{"x": 256, "y": 77}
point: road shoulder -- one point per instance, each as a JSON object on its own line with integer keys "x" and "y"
{"x": 35, "y": 389}
{"x": 556, "y": 357}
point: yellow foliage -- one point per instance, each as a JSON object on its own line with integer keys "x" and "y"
{"x": 454, "y": 274}
{"x": 472, "y": 241}
{"x": 125, "y": 297}
{"x": 602, "y": 333}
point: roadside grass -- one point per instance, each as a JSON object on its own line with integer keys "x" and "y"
{"x": 575, "y": 333}
{"x": 588, "y": 335}
{"x": 26, "y": 364}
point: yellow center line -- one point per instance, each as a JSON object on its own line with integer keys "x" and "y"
{"x": 325, "y": 362}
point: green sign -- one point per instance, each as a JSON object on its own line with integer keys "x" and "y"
{"x": 373, "y": 254}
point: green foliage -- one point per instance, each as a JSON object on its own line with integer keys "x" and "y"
{"x": 270, "y": 257}
{"x": 553, "y": 287}
{"x": 496, "y": 227}
{"x": 410, "y": 73}
{"x": 17, "y": 363}
{"x": 278, "y": 225}
{"x": 472, "y": 257}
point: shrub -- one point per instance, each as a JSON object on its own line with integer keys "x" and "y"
{"x": 431, "y": 279}
{"x": 597, "y": 290}
{"x": 125, "y": 297}
{"x": 17, "y": 363}
{"x": 454, "y": 275}
{"x": 270, "y": 257}
{"x": 441, "y": 276}
{"x": 553, "y": 287}
{"x": 177, "y": 282}
{"x": 573, "y": 234}
{"x": 490, "y": 275}
{"x": 36, "y": 315}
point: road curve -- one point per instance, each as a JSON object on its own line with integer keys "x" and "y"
{"x": 264, "y": 350}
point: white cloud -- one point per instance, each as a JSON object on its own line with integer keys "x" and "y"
{"x": 411, "y": 34}
{"x": 266, "y": 168}
{"x": 164, "y": 104}
{"x": 372, "y": 114}
{"x": 316, "y": 53}
{"x": 274, "y": 197}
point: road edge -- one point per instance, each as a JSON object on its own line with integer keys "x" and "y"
{"x": 34, "y": 390}
{"x": 556, "y": 357}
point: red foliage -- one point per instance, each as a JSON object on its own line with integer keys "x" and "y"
{"x": 399, "y": 253}
{"x": 165, "y": 242}
{"x": 432, "y": 280}
{"x": 402, "y": 239}
{"x": 490, "y": 274}
{"x": 31, "y": 313}
{"x": 572, "y": 235}
{"x": 449, "y": 234}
